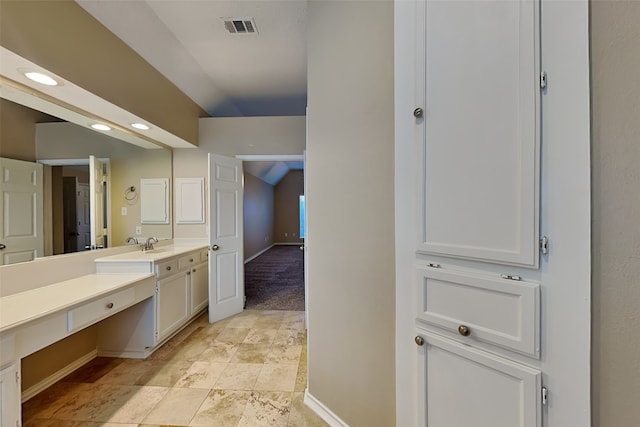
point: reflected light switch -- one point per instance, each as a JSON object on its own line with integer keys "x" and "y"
{"x": 123, "y": 211}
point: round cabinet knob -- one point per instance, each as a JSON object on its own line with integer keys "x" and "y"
{"x": 419, "y": 340}
{"x": 168, "y": 268}
{"x": 464, "y": 330}
{"x": 110, "y": 305}
{"x": 190, "y": 259}
{"x": 215, "y": 247}
{"x": 418, "y": 113}
{"x": 2, "y": 246}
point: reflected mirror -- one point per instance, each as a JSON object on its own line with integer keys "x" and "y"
{"x": 63, "y": 150}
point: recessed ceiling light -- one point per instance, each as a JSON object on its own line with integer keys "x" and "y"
{"x": 100, "y": 126}
{"x": 140, "y": 126}
{"x": 40, "y": 78}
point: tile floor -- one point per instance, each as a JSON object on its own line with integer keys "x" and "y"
{"x": 248, "y": 370}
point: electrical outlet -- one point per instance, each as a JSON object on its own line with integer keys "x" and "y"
{"x": 138, "y": 230}
{"x": 123, "y": 211}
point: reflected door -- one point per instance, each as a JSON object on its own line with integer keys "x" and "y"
{"x": 97, "y": 189}
{"x": 226, "y": 267}
{"x": 20, "y": 211}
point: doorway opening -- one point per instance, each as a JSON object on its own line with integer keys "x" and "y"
{"x": 274, "y": 233}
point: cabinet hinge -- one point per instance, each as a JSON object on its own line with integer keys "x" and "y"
{"x": 157, "y": 288}
{"x": 543, "y": 80}
{"x": 544, "y": 394}
{"x": 511, "y": 277}
{"x": 434, "y": 265}
{"x": 17, "y": 377}
{"x": 544, "y": 245}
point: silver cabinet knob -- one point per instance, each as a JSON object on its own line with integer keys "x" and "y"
{"x": 464, "y": 330}
{"x": 419, "y": 340}
{"x": 418, "y": 113}
{"x": 215, "y": 247}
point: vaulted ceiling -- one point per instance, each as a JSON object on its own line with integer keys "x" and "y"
{"x": 228, "y": 75}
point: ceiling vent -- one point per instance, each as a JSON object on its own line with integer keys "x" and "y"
{"x": 239, "y": 26}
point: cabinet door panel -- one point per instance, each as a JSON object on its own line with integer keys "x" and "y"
{"x": 497, "y": 311}
{"x": 172, "y": 304}
{"x": 462, "y": 387}
{"x": 479, "y": 136}
{"x": 10, "y": 395}
{"x": 199, "y": 287}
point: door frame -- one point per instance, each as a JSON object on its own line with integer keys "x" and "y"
{"x": 79, "y": 162}
{"x": 290, "y": 158}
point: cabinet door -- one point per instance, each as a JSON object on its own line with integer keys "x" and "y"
{"x": 460, "y": 386}
{"x": 10, "y": 396}
{"x": 199, "y": 288}
{"x": 478, "y": 84}
{"x": 172, "y": 304}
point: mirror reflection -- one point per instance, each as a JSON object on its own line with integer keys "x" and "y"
{"x": 82, "y": 206}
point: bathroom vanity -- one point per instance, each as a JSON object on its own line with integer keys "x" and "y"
{"x": 138, "y": 299}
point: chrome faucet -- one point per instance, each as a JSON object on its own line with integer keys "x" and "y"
{"x": 132, "y": 240}
{"x": 149, "y": 244}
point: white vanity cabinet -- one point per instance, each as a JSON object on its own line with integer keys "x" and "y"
{"x": 10, "y": 395}
{"x": 181, "y": 292}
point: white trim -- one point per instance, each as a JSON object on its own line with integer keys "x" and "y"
{"x": 251, "y": 258}
{"x": 58, "y": 375}
{"x": 322, "y": 411}
{"x": 301, "y": 243}
{"x": 271, "y": 157}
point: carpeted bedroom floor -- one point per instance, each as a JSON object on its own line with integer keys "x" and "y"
{"x": 275, "y": 279}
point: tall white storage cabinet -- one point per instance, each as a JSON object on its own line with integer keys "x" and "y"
{"x": 480, "y": 290}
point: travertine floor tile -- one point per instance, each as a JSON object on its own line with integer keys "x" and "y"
{"x": 233, "y": 335}
{"x": 248, "y": 370}
{"x": 260, "y": 336}
{"x": 289, "y": 354}
{"x": 266, "y": 409}
{"x": 126, "y": 373}
{"x": 163, "y": 374}
{"x": 221, "y": 408}
{"x": 177, "y": 407}
{"x": 279, "y": 377}
{"x": 219, "y": 351}
{"x": 238, "y": 376}
{"x": 251, "y": 353}
{"x": 201, "y": 374}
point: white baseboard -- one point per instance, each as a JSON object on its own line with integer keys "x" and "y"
{"x": 323, "y": 412}
{"x": 258, "y": 254}
{"x": 57, "y": 376}
{"x": 290, "y": 243}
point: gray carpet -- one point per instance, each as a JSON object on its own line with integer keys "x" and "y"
{"x": 275, "y": 279}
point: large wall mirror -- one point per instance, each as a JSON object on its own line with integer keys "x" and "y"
{"x": 64, "y": 150}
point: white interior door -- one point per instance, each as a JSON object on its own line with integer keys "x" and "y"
{"x": 226, "y": 266}
{"x": 83, "y": 215}
{"x": 96, "y": 205}
{"x": 21, "y": 212}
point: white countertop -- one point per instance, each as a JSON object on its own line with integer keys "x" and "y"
{"x": 157, "y": 254}
{"x": 23, "y": 307}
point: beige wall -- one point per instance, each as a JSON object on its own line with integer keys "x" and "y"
{"x": 287, "y": 207}
{"x": 61, "y": 37}
{"x": 234, "y": 136}
{"x": 350, "y": 199}
{"x": 258, "y": 215}
{"x": 17, "y": 131}
{"x": 615, "y": 86}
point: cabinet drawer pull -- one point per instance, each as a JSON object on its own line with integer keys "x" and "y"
{"x": 419, "y": 340}
{"x": 168, "y": 268}
{"x": 464, "y": 330}
{"x": 190, "y": 259}
{"x": 194, "y": 270}
{"x": 110, "y": 305}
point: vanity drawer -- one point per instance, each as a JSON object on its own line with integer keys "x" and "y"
{"x": 498, "y": 311}
{"x": 89, "y": 313}
{"x": 188, "y": 260}
{"x": 167, "y": 268}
